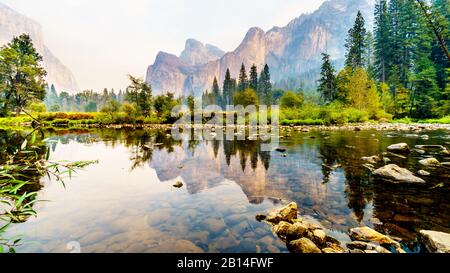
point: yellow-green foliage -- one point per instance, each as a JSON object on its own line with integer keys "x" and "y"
{"x": 37, "y": 107}
{"x": 334, "y": 113}
{"x": 246, "y": 98}
{"x": 357, "y": 90}
{"x": 291, "y": 99}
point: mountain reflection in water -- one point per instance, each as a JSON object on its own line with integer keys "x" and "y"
{"x": 226, "y": 184}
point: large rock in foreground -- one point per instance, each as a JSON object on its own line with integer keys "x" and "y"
{"x": 304, "y": 245}
{"x": 366, "y": 234}
{"x": 286, "y": 214}
{"x": 396, "y": 174}
{"x": 436, "y": 242}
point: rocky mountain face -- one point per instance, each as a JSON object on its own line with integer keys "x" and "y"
{"x": 293, "y": 52}
{"x": 196, "y": 53}
{"x": 13, "y": 24}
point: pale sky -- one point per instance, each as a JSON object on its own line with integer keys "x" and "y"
{"x": 102, "y": 41}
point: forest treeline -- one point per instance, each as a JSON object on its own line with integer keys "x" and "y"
{"x": 399, "y": 69}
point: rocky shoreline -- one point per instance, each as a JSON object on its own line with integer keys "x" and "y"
{"x": 305, "y": 235}
{"x": 304, "y": 129}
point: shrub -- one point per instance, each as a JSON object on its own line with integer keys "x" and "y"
{"x": 37, "y": 107}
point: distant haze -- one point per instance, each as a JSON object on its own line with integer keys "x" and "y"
{"x": 102, "y": 41}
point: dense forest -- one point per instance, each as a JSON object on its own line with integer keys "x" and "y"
{"x": 400, "y": 69}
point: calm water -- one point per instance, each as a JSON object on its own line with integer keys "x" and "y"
{"x": 127, "y": 203}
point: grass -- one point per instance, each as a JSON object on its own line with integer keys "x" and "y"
{"x": 444, "y": 120}
{"x": 308, "y": 115}
{"x": 79, "y": 119}
{"x": 333, "y": 114}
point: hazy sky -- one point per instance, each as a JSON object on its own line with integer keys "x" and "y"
{"x": 102, "y": 41}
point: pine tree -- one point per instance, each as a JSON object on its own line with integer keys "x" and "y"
{"x": 254, "y": 78}
{"x": 216, "y": 92}
{"x": 369, "y": 56}
{"x": 227, "y": 85}
{"x": 404, "y": 26}
{"x": 356, "y": 44}
{"x": 233, "y": 90}
{"x": 442, "y": 7}
{"x": 120, "y": 97}
{"x": 113, "y": 95}
{"x": 243, "y": 80}
{"x": 265, "y": 87}
{"x": 381, "y": 45}
{"x": 327, "y": 81}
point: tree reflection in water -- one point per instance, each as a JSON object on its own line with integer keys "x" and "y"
{"x": 324, "y": 175}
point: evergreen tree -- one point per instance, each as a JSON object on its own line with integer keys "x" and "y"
{"x": 113, "y": 95}
{"x": 120, "y": 97}
{"x": 265, "y": 87}
{"x": 404, "y": 27}
{"x": 243, "y": 80}
{"x": 327, "y": 81}
{"x": 356, "y": 44}
{"x": 442, "y": 8}
{"x": 254, "y": 78}
{"x": 381, "y": 43}
{"x": 21, "y": 75}
{"x": 140, "y": 93}
{"x": 227, "y": 86}
{"x": 52, "y": 99}
{"x": 370, "y": 55}
{"x": 216, "y": 93}
{"x": 233, "y": 90}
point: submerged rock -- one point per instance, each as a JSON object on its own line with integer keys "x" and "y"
{"x": 423, "y": 147}
{"x": 423, "y": 173}
{"x": 430, "y": 162}
{"x": 178, "y": 184}
{"x": 372, "y": 159}
{"x": 260, "y": 217}
{"x": 396, "y": 174}
{"x": 366, "y": 234}
{"x": 304, "y": 245}
{"x": 435, "y": 242}
{"x": 367, "y": 246}
{"x": 399, "y": 148}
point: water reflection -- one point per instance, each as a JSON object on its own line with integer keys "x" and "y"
{"x": 321, "y": 171}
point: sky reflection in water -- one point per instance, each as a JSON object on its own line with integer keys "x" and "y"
{"x": 126, "y": 203}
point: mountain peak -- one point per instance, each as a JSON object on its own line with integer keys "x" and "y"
{"x": 197, "y": 53}
{"x": 13, "y": 24}
{"x": 254, "y": 32}
{"x": 293, "y": 52}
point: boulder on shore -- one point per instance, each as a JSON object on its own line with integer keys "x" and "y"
{"x": 399, "y": 148}
{"x": 395, "y": 174}
{"x": 286, "y": 214}
{"x": 435, "y": 242}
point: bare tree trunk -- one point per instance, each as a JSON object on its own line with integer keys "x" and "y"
{"x": 18, "y": 110}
